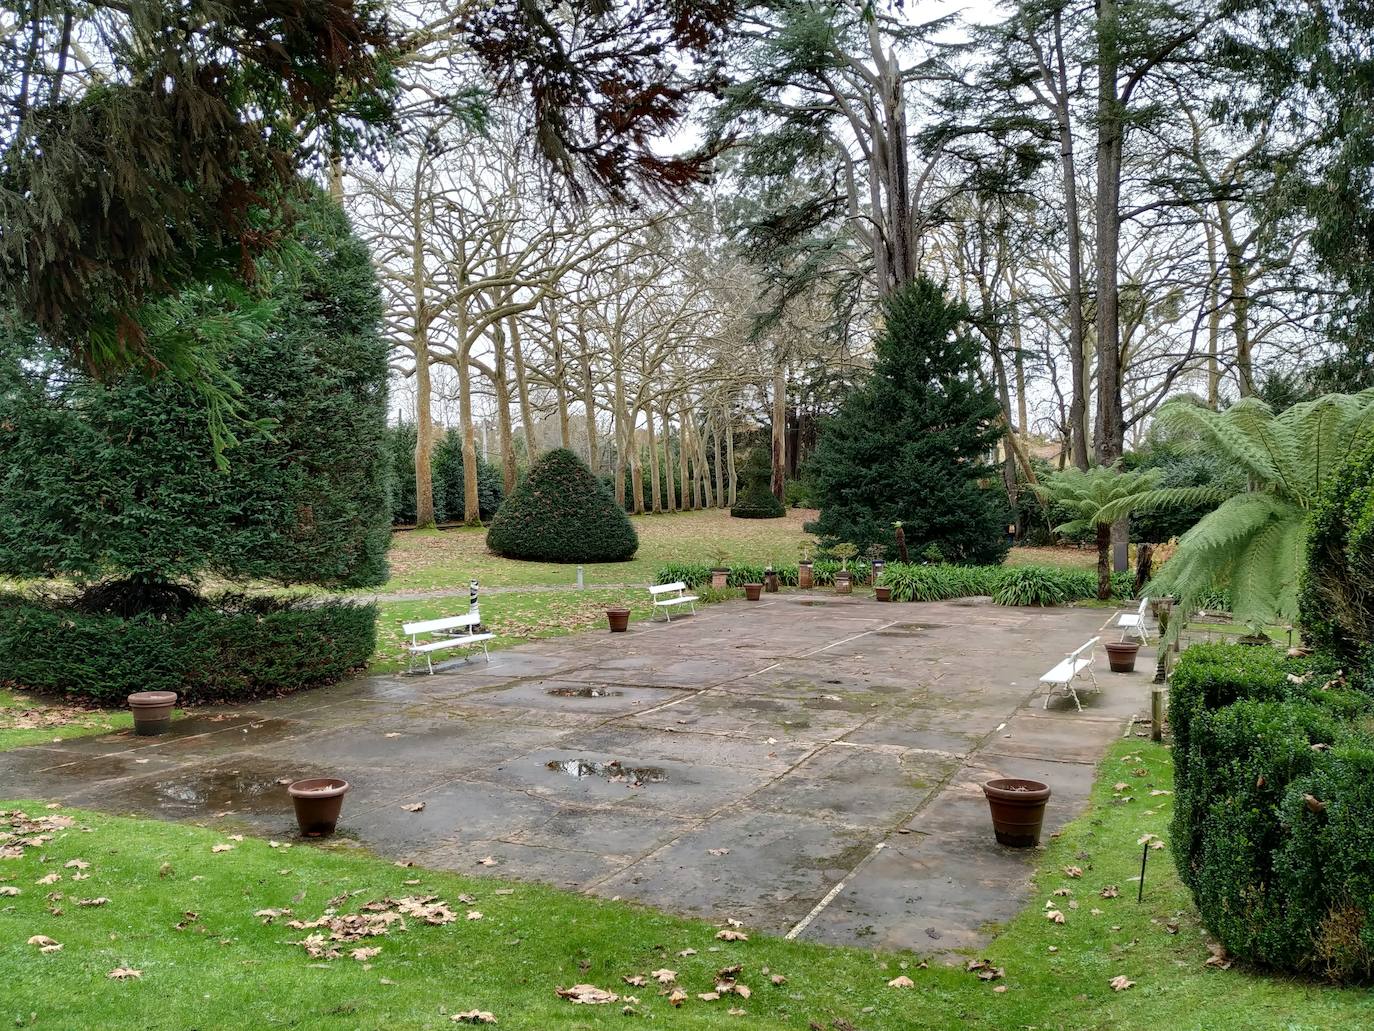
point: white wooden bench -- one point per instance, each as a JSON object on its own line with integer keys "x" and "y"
{"x": 1133, "y": 623}
{"x": 450, "y": 632}
{"x": 1078, "y": 664}
{"x": 660, "y": 594}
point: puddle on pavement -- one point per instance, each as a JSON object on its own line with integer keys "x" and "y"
{"x": 582, "y": 692}
{"x": 613, "y": 771}
{"x": 229, "y": 788}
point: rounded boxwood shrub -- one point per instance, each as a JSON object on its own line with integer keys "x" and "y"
{"x": 560, "y": 513}
{"x": 228, "y": 647}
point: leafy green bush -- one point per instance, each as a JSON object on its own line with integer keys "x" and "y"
{"x": 230, "y": 647}
{"x": 1337, "y": 595}
{"x": 693, "y": 574}
{"x": 560, "y": 513}
{"x": 1030, "y": 585}
{"x": 120, "y": 478}
{"x": 1273, "y": 826}
{"x": 756, "y": 500}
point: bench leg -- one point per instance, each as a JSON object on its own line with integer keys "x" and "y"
{"x": 485, "y": 652}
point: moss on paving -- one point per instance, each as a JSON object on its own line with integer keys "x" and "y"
{"x": 226, "y": 968}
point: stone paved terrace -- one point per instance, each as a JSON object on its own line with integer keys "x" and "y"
{"x": 835, "y": 746}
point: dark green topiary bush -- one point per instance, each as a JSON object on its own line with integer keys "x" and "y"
{"x": 560, "y": 513}
{"x": 1273, "y": 826}
{"x": 224, "y": 648}
{"x": 756, "y": 501}
{"x": 1337, "y": 598}
{"x": 446, "y": 477}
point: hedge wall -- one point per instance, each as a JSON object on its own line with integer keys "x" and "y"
{"x": 1273, "y": 827}
{"x": 229, "y": 648}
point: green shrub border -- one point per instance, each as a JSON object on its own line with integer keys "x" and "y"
{"x": 234, "y": 647}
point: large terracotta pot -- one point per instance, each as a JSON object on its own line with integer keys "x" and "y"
{"x": 752, "y": 592}
{"x": 152, "y": 711}
{"x": 1121, "y": 655}
{"x": 318, "y": 802}
{"x": 619, "y": 619}
{"x": 805, "y": 575}
{"x": 882, "y": 593}
{"x": 1018, "y": 810}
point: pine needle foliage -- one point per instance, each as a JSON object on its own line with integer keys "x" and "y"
{"x": 1255, "y": 541}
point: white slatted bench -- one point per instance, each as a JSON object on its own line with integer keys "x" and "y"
{"x": 450, "y": 632}
{"x": 679, "y": 596}
{"x": 1133, "y": 623}
{"x": 1078, "y": 664}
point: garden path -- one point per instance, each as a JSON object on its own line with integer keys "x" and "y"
{"x": 808, "y": 764}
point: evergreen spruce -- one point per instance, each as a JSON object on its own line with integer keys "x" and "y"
{"x": 560, "y": 513}
{"x": 912, "y": 441}
{"x": 756, "y": 501}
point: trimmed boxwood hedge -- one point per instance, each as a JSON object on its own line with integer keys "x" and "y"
{"x": 232, "y": 647}
{"x": 1273, "y": 827}
{"x": 560, "y": 513}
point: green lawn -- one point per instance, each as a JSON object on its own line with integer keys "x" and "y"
{"x": 25, "y": 720}
{"x": 183, "y": 915}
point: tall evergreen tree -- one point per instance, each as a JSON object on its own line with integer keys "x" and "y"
{"x": 911, "y": 443}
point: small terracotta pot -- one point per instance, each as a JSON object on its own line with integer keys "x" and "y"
{"x": 844, "y": 582}
{"x": 318, "y": 801}
{"x": 152, "y": 711}
{"x": 1018, "y": 810}
{"x": 1121, "y": 656}
{"x": 805, "y": 575}
{"x": 720, "y": 578}
{"x": 770, "y": 583}
{"x": 619, "y": 619}
{"x": 882, "y": 593}
{"x": 752, "y": 592}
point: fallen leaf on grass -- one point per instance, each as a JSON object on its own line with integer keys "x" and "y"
{"x": 221, "y": 848}
{"x": 268, "y": 915}
{"x": 984, "y": 969}
{"x": 686, "y": 952}
{"x": 362, "y": 955}
{"x": 708, "y": 996}
{"x": 413, "y": 807}
{"x": 677, "y": 997}
{"x": 636, "y": 981}
{"x": 1000, "y": 989}
{"x": 504, "y": 891}
{"x": 587, "y": 995}
{"x": 901, "y": 982}
{"x": 1120, "y": 785}
{"x": 1111, "y": 891}
{"x": 8, "y": 890}
{"x": 1061, "y": 892}
{"x": 474, "y": 914}
{"x": 735, "y": 1011}
{"x": 732, "y": 936}
{"x": 1073, "y": 871}
{"x": 1121, "y": 982}
{"x": 93, "y": 902}
{"x": 124, "y": 974}
{"x": 79, "y": 876}
{"x": 664, "y": 976}
{"x": 778, "y": 979}
{"x": 1218, "y": 958}
{"x": 1055, "y": 916}
{"x": 44, "y": 943}
{"x": 51, "y": 878}
{"x": 77, "y": 864}
{"x": 472, "y": 1016}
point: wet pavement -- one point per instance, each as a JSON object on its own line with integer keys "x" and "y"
{"x": 811, "y": 769}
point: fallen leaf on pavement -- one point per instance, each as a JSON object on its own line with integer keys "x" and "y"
{"x": 717, "y": 851}
{"x": 415, "y": 807}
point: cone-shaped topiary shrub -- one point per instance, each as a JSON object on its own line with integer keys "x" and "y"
{"x": 757, "y": 501}
{"x": 560, "y": 513}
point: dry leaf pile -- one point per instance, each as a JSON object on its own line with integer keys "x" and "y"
{"x": 334, "y": 931}
{"x": 20, "y": 831}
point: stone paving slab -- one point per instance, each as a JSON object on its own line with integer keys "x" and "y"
{"x": 809, "y": 764}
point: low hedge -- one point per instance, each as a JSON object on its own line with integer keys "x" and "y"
{"x": 232, "y": 647}
{"x": 1273, "y": 827}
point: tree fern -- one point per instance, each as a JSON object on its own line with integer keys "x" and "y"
{"x": 1255, "y": 542}
{"x": 1097, "y": 498}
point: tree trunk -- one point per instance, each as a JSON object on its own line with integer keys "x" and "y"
{"x": 1240, "y": 302}
{"x": 522, "y": 389}
{"x": 656, "y": 500}
{"x": 1110, "y": 429}
{"x": 1213, "y": 323}
{"x": 424, "y": 434}
{"x": 730, "y": 456}
{"x": 1144, "y": 566}
{"x": 618, "y": 421}
{"x": 720, "y": 466}
{"x": 683, "y": 438}
{"x": 589, "y": 405}
{"x": 501, "y": 388}
{"x": 1104, "y": 563}
{"x": 472, "y": 512}
{"x": 669, "y": 490}
{"x": 779, "y": 428}
{"x": 704, "y": 472}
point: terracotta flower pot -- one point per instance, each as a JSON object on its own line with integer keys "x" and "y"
{"x": 770, "y": 583}
{"x": 318, "y": 801}
{"x": 1018, "y": 810}
{"x": 152, "y": 711}
{"x": 619, "y": 619}
{"x": 752, "y": 592}
{"x": 805, "y": 575}
{"x": 1121, "y": 655}
{"x": 882, "y": 593}
{"x": 720, "y": 578}
{"x": 844, "y": 582}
